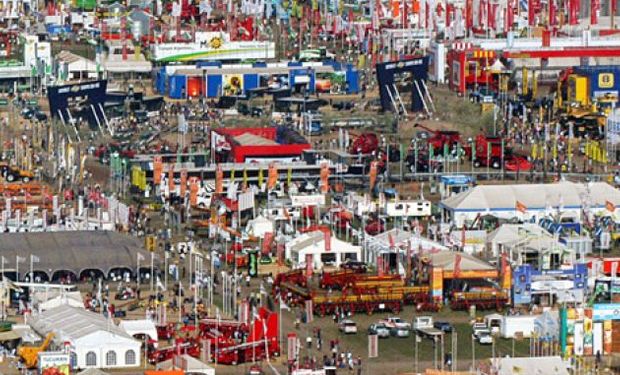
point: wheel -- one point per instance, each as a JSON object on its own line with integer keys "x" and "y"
{"x": 476, "y": 164}
{"x": 10, "y": 177}
{"x": 26, "y": 179}
{"x": 495, "y": 164}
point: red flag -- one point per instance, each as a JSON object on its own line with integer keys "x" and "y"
{"x": 457, "y": 266}
{"x": 391, "y": 240}
{"x": 610, "y": 206}
{"x": 521, "y": 207}
{"x": 328, "y": 240}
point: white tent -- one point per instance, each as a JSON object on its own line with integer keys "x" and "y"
{"x": 96, "y": 342}
{"x": 535, "y": 200}
{"x": 313, "y": 243}
{"x": 139, "y": 327}
{"x": 48, "y": 300}
{"x": 259, "y": 226}
{"x": 188, "y": 364}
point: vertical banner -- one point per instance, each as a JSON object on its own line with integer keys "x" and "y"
{"x": 272, "y": 176}
{"x": 607, "y": 337}
{"x": 171, "y": 184}
{"x": 183, "y": 182}
{"x": 267, "y": 240}
{"x": 437, "y": 284}
{"x": 380, "y": 265}
{"x": 291, "y": 346}
{"x": 328, "y": 239}
{"x": 309, "y": 311}
{"x": 193, "y": 191}
{"x": 253, "y": 263}
{"x": 597, "y": 335}
{"x": 280, "y": 253}
{"x": 324, "y": 178}
{"x": 309, "y": 265}
{"x": 578, "y": 338}
{"x": 373, "y": 346}
{"x": 219, "y": 180}
{"x": 158, "y": 168}
{"x": 588, "y": 335}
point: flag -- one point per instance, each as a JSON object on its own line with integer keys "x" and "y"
{"x": 20, "y": 259}
{"x": 219, "y": 177}
{"x": 34, "y": 259}
{"x": 260, "y": 177}
{"x": 373, "y": 174}
{"x": 521, "y": 207}
{"x": 283, "y": 305}
{"x": 140, "y": 257}
{"x": 457, "y": 265}
{"x": 610, "y": 206}
{"x": 324, "y": 178}
{"x": 272, "y": 176}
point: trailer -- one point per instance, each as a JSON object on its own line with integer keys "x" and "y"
{"x": 325, "y": 304}
{"x": 356, "y": 278}
{"x": 294, "y": 277}
{"x": 482, "y": 300}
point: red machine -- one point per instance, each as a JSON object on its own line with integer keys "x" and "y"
{"x": 296, "y": 277}
{"x": 366, "y": 143}
{"x": 188, "y": 10}
{"x": 467, "y": 68}
{"x": 272, "y": 143}
{"x": 489, "y": 152}
{"x": 440, "y": 138}
{"x": 355, "y": 278}
{"x": 482, "y": 300}
{"x": 226, "y": 339}
{"x": 374, "y": 227}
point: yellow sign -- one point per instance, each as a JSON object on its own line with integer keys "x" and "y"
{"x": 215, "y": 42}
{"x": 606, "y": 80}
{"x": 150, "y": 242}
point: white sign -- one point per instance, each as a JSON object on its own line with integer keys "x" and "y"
{"x": 246, "y": 200}
{"x": 213, "y": 51}
{"x": 307, "y": 200}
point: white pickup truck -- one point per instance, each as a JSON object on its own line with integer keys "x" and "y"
{"x": 396, "y": 322}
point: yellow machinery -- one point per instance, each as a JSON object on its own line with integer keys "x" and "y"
{"x": 577, "y": 90}
{"x": 30, "y": 354}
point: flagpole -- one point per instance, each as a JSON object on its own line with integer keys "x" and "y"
{"x": 152, "y": 273}
{"x": 17, "y": 268}
{"x": 2, "y": 268}
{"x": 166, "y": 270}
{"x": 31, "y": 272}
{"x": 138, "y": 271}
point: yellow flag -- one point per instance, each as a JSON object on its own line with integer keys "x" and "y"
{"x": 535, "y": 151}
{"x": 289, "y": 177}
{"x": 260, "y": 177}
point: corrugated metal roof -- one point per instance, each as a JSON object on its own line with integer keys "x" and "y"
{"x": 73, "y": 250}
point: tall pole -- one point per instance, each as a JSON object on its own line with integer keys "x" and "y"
{"x": 31, "y": 270}
{"x": 165, "y": 270}
{"x": 152, "y": 273}
{"x": 137, "y": 272}
{"x": 473, "y": 353}
{"x": 17, "y": 268}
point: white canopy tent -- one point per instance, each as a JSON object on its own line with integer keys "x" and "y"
{"x": 96, "y": 342}
{"x": 313, "y": 243}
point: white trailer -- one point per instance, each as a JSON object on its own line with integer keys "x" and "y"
{"x": 519, "y": 323}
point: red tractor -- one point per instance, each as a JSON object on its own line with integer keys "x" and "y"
{"x": 439, "y": 138}
{"x": 366, "y": 143}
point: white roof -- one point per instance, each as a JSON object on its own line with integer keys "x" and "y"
{"x": 400, "y": 238}
{"x": 141, "y": 326}
{"x": 534, "y": 196}
{"x": 532, "y": 366}
{"x": 446, "y": 260}
{"x": 508, "y": 233}
{"x": 259, "y": 226}
{"x": 188, "y": 363}
{"x": 72, "y": 323}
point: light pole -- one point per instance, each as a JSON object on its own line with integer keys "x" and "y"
{"x": 473, "y": 353}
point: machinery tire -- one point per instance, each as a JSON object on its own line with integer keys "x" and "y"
{"x": 496, "y": 164}
{"x": 26, "y": 179}
{"x": 476, "y": 164}
{"x": 10, "y": 177}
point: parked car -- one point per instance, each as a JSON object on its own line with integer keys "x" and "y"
{"x": 478, "y": 327}
{"x": 354, "y": 266}
{"x": 396, "y": 322}
{"x": 347, "y": 327}
{"x": 343, "y": 106}
{"x": 379, "y": 329}
{"x": 443, "y": 326}
{"x": 484, "y": 337}
{"x": 483, "y": 95}
{"x": 400, "y": 332}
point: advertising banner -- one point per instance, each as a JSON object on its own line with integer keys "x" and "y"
{"x": 437, "y": 283}
{"x": 54, "y": 363}
{"x": 606, "y": 311}
{"x": 233, "y": 84}
{"x": 78, "y": 101}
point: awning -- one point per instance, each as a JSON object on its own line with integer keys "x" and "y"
{"x": 9, "y": 335}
